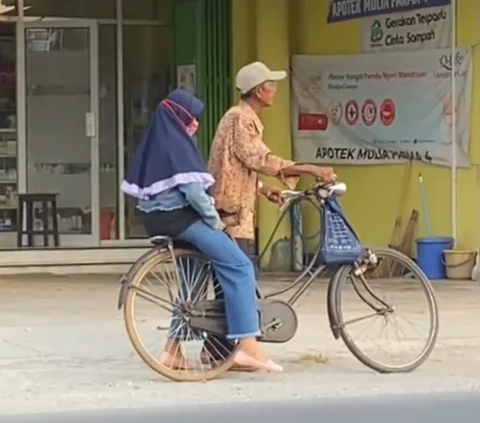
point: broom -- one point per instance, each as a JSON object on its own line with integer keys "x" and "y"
{"x": 384, "y": 267}
{"x": 406, "y": 246}
{"x": 395, "y": 240}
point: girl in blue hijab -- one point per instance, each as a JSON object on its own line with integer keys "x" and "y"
{"x": 171, "y": 182}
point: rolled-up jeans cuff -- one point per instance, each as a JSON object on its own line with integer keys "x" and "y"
{"x": 245, "y": 335}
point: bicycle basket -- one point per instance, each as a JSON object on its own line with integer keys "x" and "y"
{"x": 339, "y": 242}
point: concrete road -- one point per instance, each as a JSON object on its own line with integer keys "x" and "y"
{"x": 63, "y": 347}
{"x": 439, "y": 408}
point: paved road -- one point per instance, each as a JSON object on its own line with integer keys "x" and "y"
{"x": 63, "y": 347}
{"x": 438, "y": 408}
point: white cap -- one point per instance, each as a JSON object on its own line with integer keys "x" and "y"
{"x": 254, "y": 74}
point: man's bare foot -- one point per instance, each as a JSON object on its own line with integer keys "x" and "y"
{"x": 173, "y": 357}
{"x": 178, "y": 362}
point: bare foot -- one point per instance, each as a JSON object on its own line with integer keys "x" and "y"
{"x": 173, "y": 357}
{"x": 244, "y": 360}
{"x": 251, "y": 355}
{"x": 252, "y": 348}
{"x": 235, "y": 367}
{"x": 207, "y": 358}
{"x": 176, "y": 362}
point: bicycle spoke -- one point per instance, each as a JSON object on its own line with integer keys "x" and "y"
{"x": 360, "y": 319}
{"x": 154, "y": 299}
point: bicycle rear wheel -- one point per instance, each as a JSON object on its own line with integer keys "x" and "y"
{"x": 358, "y": 302}
{"x": 158, "y": 294}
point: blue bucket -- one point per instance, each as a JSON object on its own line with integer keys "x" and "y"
{"x": 430, "y": 255}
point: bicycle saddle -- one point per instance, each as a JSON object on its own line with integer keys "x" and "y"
{"x": 164, "y": 240}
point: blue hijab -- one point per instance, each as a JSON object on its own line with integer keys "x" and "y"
{"x": 167, "y": 156}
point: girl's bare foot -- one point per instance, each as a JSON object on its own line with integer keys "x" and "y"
{"x": 251, "y": 355}
{"x": 252, "y": 348}
{"x": 246, "y": 361}
{"x": 207, "y": 358}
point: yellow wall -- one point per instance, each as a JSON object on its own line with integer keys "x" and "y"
{"x": 373, "y": 210}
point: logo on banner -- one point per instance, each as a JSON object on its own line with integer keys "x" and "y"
{"x": 335, "y": 111}
{"x": 387, "y": 112}
{"x": 369, "y": 112}
{"x": 376, "y": 34}
{"x": 351, "y": 112}
{"x": 446, "y": 61}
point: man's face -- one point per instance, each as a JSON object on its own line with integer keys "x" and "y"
{"x": 266, "y": 93}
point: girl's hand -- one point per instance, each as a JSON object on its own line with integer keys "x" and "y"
{"x": 220, "y": 226}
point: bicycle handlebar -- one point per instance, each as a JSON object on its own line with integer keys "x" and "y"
{"x": 321, "y": 190}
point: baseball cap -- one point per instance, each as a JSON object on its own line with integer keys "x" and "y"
{"x": 254, "y": 74}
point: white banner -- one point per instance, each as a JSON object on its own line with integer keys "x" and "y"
{"x": 421, "y": 29}
{"x": 381, "y": 108}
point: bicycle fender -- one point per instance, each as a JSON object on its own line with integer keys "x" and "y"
{"x": 125, "y": 279}
{"x": 332, "y": 306}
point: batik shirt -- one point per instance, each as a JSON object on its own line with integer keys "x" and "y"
{"x": 237, "y": 157}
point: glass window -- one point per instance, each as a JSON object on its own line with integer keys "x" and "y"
{"x": 56, "y": 39}
{"x": 146, "y": 68}
{"x": 90, "y": 9}
{"x": 58, "y": 144}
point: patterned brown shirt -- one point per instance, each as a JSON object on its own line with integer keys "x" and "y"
{"x": 237, "y": 157}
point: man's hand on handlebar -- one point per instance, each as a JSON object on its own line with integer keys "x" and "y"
{"x": 319, "y": 191}
{"x": 273, "y": 194}
{"x": 324, "y": 174}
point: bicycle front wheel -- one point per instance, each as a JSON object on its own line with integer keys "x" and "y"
{"x": 392, "y": 293}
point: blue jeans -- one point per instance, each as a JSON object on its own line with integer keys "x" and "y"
{"x": 235, "y": 274}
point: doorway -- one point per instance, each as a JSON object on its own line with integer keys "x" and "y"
{"x": 62, "y": 125}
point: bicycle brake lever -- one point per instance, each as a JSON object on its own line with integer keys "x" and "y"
{"x": 290, "y": 194}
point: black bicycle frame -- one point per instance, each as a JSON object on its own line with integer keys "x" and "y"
{"x": 302, "y": 286}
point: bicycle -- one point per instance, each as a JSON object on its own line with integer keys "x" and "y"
{"x": 193, "y": 317}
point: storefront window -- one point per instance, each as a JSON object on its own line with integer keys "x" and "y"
{"x": 58, "y": 104}
{"x": 147, "y": 64}
{"x": 91, "y": 9}
{"x": 8, "y": 129}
